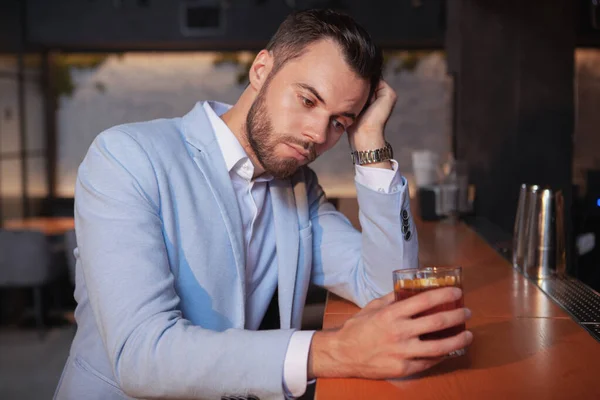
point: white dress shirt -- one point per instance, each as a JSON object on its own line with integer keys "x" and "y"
{"x": 259, "y": 239}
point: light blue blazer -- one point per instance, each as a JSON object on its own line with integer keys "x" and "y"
{"x": 160, "y": 266}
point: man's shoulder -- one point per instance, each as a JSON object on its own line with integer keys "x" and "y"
{"x": 162, "y": 130}
{"x": 140, "y": 147}
{"x": 155, "y": 139}
{"x": 164, "y": 133}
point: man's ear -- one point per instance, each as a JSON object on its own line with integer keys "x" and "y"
{"x": 260, "y": 69}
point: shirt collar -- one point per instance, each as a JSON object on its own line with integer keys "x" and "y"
{"x": 231, "y": 148}
{"x": 235, "y": 156}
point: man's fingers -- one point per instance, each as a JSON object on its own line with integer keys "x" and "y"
{"x": 441, "y": 347}
{"x": 380, "y": 302}
{"x": 419, "y": 365}
{"x": 426, "y": 301}
{"x": 438, "y": 321}
{"x": 388, "y": 298}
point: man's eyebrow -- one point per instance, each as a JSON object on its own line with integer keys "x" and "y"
{"x": 314, "y": 91}
{"x": 350, "y": 115}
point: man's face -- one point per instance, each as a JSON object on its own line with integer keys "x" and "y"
{"x": 304, "y": 108}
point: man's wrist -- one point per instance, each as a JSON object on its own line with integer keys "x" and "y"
{"x": 384, "y": 165}
{"x": 367, "y": 150}
{"x": 324, "y": 357}
{"x": 366, "y": 142}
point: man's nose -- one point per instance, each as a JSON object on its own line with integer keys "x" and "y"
{"x": 317, "y": 131}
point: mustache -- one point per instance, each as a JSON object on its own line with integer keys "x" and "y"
{"x": 306, "y": 145}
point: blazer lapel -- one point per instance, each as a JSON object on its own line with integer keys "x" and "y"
{"x": 286, "y": 233}
{"x": 199, "y": 133}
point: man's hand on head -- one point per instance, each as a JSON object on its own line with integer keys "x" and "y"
{"x": 367, "y": 133}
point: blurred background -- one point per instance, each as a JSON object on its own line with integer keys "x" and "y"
{"x": 511, "y": 88}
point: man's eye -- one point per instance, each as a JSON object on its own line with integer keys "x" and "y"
{"x": 307, "y": 103}
{"x": 337, "y": 125}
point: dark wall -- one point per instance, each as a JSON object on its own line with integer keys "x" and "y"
{"x": 244, "y": 24}
{"x": 10, "y": 26}
{"x": 588, "y": 23}
{"x": 133, "y": 24}
{"x": 513, "y": 63}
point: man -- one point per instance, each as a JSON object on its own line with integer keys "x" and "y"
{"x": 186, "y": 227}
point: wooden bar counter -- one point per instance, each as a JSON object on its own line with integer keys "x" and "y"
{"x": 525, "y": 346}
{"x": 50, "y": 226}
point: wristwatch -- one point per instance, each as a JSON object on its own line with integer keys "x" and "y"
{"x": 372, "y": 156}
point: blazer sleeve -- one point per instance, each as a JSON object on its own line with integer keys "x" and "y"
{"x": 153, "y": 350}
{"x": 358, "y": 266}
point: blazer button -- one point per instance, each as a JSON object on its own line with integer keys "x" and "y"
{"x": 407, "y": 236}
{"x": 404, "y": 214}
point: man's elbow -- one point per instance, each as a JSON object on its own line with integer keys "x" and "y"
{"x": 139, "y": 383}
{"x": 134, "y": 373}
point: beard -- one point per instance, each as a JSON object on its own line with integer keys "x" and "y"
{"x": 263, "y": 141}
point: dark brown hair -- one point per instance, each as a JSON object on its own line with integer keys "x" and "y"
{"x": 305, "y": 27}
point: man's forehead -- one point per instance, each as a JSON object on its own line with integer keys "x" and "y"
{"x": 330, "y": 75}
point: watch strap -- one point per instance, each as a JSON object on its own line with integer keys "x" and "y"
{"x": 372, "y": 156}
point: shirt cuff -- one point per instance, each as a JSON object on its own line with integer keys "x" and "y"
{"x": 295, "y": 366}
{"x": 380, "y": 179}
